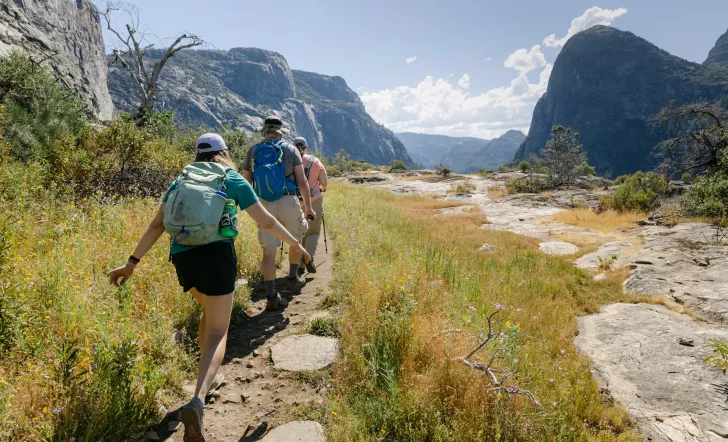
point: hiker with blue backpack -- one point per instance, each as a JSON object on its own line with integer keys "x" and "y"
{"x": 198, "y": 212}
{"x": 275, "y": 170}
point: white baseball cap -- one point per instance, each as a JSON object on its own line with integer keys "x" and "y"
{"x": 210, "y": 142}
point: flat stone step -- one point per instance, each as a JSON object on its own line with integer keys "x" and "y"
{"x": 297, "y": 431}
{"x": 304, "y": 352}
{"x": 558, "y": 248}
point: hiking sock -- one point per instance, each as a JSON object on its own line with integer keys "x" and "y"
{"x": 270, "y": 288}
{"x": 292, "y": 269}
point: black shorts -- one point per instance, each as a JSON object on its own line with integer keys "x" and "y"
{"x": 211, "y": 269}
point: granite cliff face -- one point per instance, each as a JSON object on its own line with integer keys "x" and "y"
{"x": 242, "y": 86}
{"x": 67, "y": 35}
{"x": 718, "y": 56}
{"x": 606, "y": 84}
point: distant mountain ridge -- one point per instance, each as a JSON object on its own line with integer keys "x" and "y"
{"x": 242, "y": 86}
{"x": 428, "y": 150}
{"x": 462, "y": 154}
{"x": 606, "y": 84}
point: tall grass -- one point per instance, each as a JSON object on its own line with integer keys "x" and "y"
{"x": 80, "y": 360}
{"x": 402, "y": 276}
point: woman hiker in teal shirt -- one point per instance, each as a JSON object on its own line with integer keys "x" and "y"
{"x": 208, "y": 272}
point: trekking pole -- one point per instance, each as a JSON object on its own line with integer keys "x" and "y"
{"x": 326, "y": 244}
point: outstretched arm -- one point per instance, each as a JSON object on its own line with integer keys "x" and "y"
{"x": 267, "y": 222}
{"x": 120, "y": 276}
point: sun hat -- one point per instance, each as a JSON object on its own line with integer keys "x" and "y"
{"x": 272, "y": 124}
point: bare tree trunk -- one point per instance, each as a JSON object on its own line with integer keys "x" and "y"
{"x": 133, "y": 54}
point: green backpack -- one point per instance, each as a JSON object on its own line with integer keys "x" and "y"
{"x": 194, "y": 208}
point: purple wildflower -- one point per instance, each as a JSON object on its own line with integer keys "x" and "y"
{"x": 58, "y": 410}
{"x": 551, "y": 379}
{"x": 498, "y": 306}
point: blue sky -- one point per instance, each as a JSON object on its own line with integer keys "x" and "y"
{"x": 368, "y": 43}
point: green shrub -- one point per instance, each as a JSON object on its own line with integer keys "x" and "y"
{"x": 528, "y": 184}
{"x": 398, "y": 166}
{"x": 585, "y": 169}
{"x": 638, "y": 193}
{"x": 620, "y": 180}
{"x": 35, "y": 110}
{"x": 503, "y": 169}
{"x": 524, "y": 166}
{"x": 443, "y": 170}
{"x": 464, "y": 188}
{"x": 708, "y": 196}
{"x": 686, "y": 178}
{"x": 324, "y": 326}
{"x": 489, "y": 171}
{"x": 333, "y": 172}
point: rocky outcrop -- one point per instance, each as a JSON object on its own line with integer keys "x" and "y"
{"x": 651, "y": 360}
{"x": 684, "y": 264}
{"x": 606, "y": 84}
{"x": 66, "y": 36}
{"x": 240, "y": 87}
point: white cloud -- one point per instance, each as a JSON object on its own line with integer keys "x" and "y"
{"x": 591, "y": 17}
{"x": 464, "y": 81}
{"x": 525, "y": 61}
{"x": 411, "y": 59}
{"x": 441, "y": 106}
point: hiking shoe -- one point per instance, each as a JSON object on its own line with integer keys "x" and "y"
{"x": 310, "y": 268}
{"x": 272, "y": 304}
{"x": 301, "y": 271}
{"x": 296, "y": 281}
{"x": 193, "y": 418}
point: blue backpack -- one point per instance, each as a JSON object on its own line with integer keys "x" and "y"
{"x": 269, "y": 178}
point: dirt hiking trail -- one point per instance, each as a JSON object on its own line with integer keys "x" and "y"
{"x": 262, "y": 392}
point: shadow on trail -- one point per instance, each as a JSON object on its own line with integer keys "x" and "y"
{"x": 246, "y": 333}
{"x": 256, "y": 434}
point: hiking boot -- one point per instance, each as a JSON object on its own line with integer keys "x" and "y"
{"x": 296, "y": 281}
{"x": 310, "y": 268}
{"x": 193, "y": 418}
{"x": 272, "y": 304}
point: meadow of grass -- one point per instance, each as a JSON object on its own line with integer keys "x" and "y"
{"x": 79, "y": 359}
{"x": 402, "y": 276}
{"x": 608, "y": 220}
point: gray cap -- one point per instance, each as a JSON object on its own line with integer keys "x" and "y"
{"x": 300, "y": 142}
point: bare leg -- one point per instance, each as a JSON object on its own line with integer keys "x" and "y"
{"x": 201, "y": 327}
{"x": 217, "y": 311}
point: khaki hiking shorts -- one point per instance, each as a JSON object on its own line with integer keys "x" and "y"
{"x": 288, "y": 212}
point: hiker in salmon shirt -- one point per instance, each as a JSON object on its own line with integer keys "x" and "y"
{"x": 315, "y": 173}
